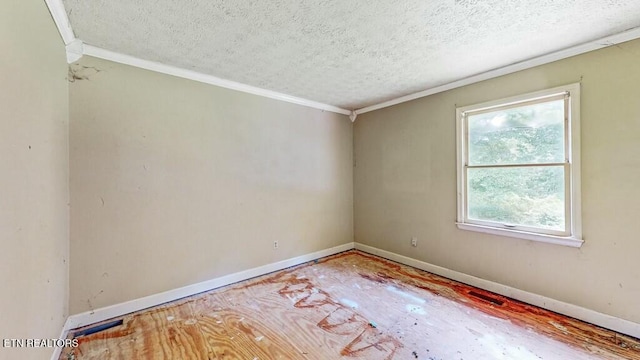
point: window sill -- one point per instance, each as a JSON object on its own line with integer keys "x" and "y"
{"x": 558, "y": 240}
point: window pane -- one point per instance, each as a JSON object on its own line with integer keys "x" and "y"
{"x": 529, "y": 196}
{"x": 529, "y": 134}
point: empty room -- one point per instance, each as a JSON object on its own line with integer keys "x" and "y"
{"x": 441, "y": 180}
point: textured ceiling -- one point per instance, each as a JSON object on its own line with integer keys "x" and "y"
{"x": 347, "y": 53}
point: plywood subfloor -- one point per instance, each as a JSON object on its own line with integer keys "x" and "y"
{"x": 352, "y": 306}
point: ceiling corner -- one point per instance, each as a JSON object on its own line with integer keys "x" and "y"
{"x": 75, "y": 50}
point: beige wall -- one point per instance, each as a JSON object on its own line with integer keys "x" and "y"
{"x": 405, "y": 185}
{"x": 34, "y": 216}
{"x": 174, "y": 182}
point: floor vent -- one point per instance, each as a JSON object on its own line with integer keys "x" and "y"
{"x": 486, "y": 298}
{"x": 97, "y": 328}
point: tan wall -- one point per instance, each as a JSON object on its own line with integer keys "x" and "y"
{"x": 34, "y": 216}
{"x": 174, "y": 182}
{"x": 405, "y": 185}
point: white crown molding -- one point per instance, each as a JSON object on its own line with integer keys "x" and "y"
{"x": 74, "y": 50}
{"x": 204, "y": 78}
{"x": 523, "y": 65}
{"x": 59, "y": 14}
{"x": 607, "y": 321}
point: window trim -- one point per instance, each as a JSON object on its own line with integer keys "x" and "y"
{"x": 572, "y": 161}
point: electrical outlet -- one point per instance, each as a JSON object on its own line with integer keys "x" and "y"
{"x": 275, "y": 245}
{"x": 414, "y": 241}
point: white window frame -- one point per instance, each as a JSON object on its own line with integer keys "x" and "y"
{"x": 573, "y": 236}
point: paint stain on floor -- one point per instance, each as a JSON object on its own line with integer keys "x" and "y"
{"x": 352, "y": 306}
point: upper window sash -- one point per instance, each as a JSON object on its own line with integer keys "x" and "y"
{"x": 564, "y": 96}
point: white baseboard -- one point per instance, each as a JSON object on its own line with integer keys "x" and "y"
{"x": 63, "y": 335}
{"x": 117, "y": 310}
{"x": 580, "y": 313}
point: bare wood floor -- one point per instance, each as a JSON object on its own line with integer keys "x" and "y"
{"x": 352, "y": 305}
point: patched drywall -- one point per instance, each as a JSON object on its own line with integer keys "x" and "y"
{"x": 345, "y": 53}
{"x": 34, "y": 214}
{"x": 174, "y": 182}
{"x": 405, "y": 186}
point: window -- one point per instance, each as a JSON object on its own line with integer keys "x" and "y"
{"x": 519, "y": 166}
